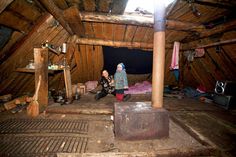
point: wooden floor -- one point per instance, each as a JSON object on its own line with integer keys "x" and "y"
{"x": 193, "y": 125}
{"x": 204, "y": 121}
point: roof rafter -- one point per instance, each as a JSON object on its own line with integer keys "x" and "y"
{"x": 206, "y": 43}
{"x": 4, "y": 4}
{"x": 57, "y": 13}
{"x": 212, "y": 32}
{"x": 72, "y": 17}
{"x": 217, "y": 4}
{"x": 171, "y": 7}
{"x": 14, "y": 47}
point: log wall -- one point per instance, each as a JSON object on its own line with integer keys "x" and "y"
{"x": 85, "y": 53}
{"x": 86, "y": 61}
{"x": 213, "y": 65}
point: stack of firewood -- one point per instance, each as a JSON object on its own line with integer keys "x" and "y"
{"x": 14, "y": 105}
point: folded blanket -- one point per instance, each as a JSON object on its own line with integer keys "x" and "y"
{"x": 91, "y": 85}
{"x": 140, "y": 88}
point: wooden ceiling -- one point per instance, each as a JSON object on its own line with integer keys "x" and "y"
{"x": 101, "y": 22}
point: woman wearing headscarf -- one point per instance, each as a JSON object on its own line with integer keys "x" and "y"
{"x": 107, "y": 84}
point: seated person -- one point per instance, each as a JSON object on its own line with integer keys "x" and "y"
{"x": 107, "y": 84}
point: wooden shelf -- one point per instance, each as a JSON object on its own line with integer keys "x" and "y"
{"x": 27, "y": 70}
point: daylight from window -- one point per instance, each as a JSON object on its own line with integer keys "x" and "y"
{"x": 142, "y": 6}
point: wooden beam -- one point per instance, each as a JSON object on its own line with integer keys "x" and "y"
{"x": 228, "y": 26}
{"x": 40, "y": 6}
{"x": 41, "y": 69}
{"x": 57, "y": 13}
{"x": 70, "y": 53}
{"x": 171, "y": 7}
{"x": 184, "y": 26}
{"x": 61, "y": 4}
{"x": 113, "y": 43}
{"x": 218, "y": 4}
{"x": 139, "y": 20}
{"x": 188, "y": 46}
{"x": 8, "y": 19}
{"x": 4, "y": 4}
{"x": 116, "y": 19}
{"x": 219, "y": 29}
{"x": 72, "y": 16}
{"x": 135, "y": 45}
{"x": 207, "y": 150}
{"x": 218, "y": 43}
{"x": 20, "y": 42}
{"x": 25, "y": 10}
{"x": 78, "y": 62}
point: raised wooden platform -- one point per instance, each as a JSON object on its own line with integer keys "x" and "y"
{"x": 195, "y": 128}
{"x": 26, "y": 70}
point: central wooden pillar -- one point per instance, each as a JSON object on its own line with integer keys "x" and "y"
{"x": 144, "y": 120}
{"x": 158, "y": 54}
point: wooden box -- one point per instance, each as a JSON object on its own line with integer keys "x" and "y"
{"x": 79, "y": 88}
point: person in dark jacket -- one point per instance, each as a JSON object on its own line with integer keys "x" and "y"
{"x": 107, "y": 83}
{"x": 108, "y": 87}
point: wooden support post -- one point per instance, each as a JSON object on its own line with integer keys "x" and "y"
{"x": 158, "y": 54}
{"x": 68, "y": 85}
{"x": 156, "y": 118}
{"x": 41, "y": 68}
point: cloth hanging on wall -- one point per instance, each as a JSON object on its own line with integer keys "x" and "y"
{"x": 174, "y": 67}
{"x": 175, "y": 56}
